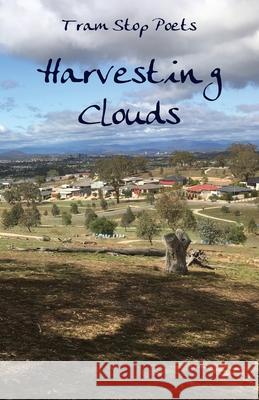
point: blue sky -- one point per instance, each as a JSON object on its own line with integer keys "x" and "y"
{"x": 39, "y": 117}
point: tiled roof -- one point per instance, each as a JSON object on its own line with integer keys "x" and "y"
{"x": 203, "y": 188}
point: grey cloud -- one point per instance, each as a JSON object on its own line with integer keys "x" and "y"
{"x": 7, "y": 104}
{"x": 8, "y": 84}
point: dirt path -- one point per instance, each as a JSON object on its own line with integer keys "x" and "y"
{"x": 198, "y": 212}
{"x": 21, "y": 236}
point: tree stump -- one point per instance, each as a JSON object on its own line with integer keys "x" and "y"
{"x": 176, "y": 251}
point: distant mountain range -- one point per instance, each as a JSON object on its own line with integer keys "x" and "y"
{"x": 113, "y": 148}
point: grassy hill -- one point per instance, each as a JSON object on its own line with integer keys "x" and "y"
{"x": 88, "y": 307}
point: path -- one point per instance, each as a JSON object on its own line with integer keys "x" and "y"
{"x": 19, "y": 235}
{"x": 197, "y": 211}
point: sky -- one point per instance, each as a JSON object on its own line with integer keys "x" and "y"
{"x": 41, "y": 117}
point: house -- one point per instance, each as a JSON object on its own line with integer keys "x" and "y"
{"x": 253, "y": 183}
{"x": 46, "y": 192}
{"x": 202, "y": 191}
{"x": 237, "y": 192}
{"x": 139, "y": 190}
{"x": 67, "y": 193}
{"x": 85, "y": 187}
{"x": 172, "y": 180}
{"x": 131, "y": 180}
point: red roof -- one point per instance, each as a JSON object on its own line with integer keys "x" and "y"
{"x": 203, "y": 188}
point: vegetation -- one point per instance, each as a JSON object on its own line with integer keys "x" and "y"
{"x": 66, "y": 218}
{"x": 74, "y": 208}
{"x": 90, "y": 216}
{"x": 102, "y": 225}
{"x": 55, "y": 211}
{"x": 147, "y": 226}
{"x": 127, "y": 218}
{"x": 244, "y": 160}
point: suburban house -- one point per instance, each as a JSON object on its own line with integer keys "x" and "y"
{"x": 46, "y": 192}
{"x": 85, "y": 186}
{"x": 131, "y": 180}
{"x": 253, "y": 183}
{"x": 203, "y": 191}
{"x": 238, "y": 192}
{"x": 67, "y": 193}
{"x": 146, "y": 188}
{"x": 172, "y": 180}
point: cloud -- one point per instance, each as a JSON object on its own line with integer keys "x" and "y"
{"x": 3, "y": 129}
{"x": 227, "y": 34}
{"x": 8, "y": 104}
{"x": 248, "y": 108}
{"x": 8, "y": 84}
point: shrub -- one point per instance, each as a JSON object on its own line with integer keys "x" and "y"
{"x": 209, "y": 231}
{"x": 66, "y": 218}
{"x": 235, "y": 234}
{"x": 252, "y": 226}
{"x": 103, "y": 204}
{"x": 74, "y": 208}
{"x": 90, "y": 216}
{"x": 55, "y": 211}
{"x": 127, "y": 218}
{"x": 102, "y": 225}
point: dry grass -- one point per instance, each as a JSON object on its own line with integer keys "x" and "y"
{"x": 56, "y": 307}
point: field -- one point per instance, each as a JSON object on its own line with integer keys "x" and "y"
{"x": 56, "y": 307}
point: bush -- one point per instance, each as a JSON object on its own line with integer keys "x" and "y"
{"x": 74, "y": 208}
{"x": 90, "y": 216}
{"x": 252, "y": 226}
{"x": 237, "y": 213}
{"x": 66, "y": 218}
{"x": 235, "y": 234}
{"x": 209, "y": 231}
{"x": 127, "y": 218}
{"x": 103, "y": 204}
{"x": 55, "y": 211}
{"x": 102, "y": 225}
{"x": 45, "y": 212}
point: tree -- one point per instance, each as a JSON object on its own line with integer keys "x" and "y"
{"x": 30, "y": 218}
{"x": 12, "y": 195}
{"x": 103, "y": 204}
{"x": 16, "y": 213}
{"x": 171, "y": 209}
{"x": 127, "y": 218}
{"x": 176, "y": 251}
{"x": 112, "y": 170}
{"x": 139, "y": 164}
{"x": 66, "y": 218}
{"x": 90, "y": 216}
{"x": 40, "y": 179}
{"x": 6, "y": 219}
{"x": 209, "y": 231}
{"x": 74, "y": 208}
{"x": 102, "y": 225}
{"x": 150, "y": 198}
{"x": 189, "y": 220}
{"x": 244, "y": 160}
{"x": 182, "y": 158}
{"x": 221, "y": 160}
{"x": 55, "y": 210}
{"x": 29, "y": 192}
{"x": 252, "y": 226}
{"x": 147, "y": 226}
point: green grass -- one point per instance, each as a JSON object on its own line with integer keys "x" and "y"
{"x": 247, "y": 212}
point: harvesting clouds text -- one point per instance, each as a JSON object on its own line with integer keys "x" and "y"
{"x": 93, "y": 114}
